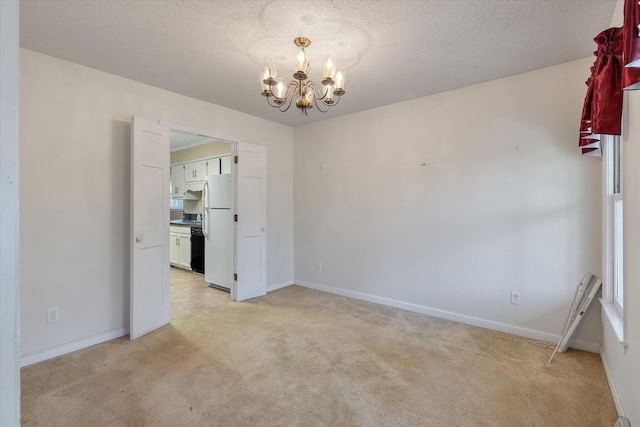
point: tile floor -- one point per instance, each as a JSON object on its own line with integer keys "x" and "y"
{"x": 190, "y": 293}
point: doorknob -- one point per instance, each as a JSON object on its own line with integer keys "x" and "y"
{"x": 138, "y": 239}
{"x": 263, "y": 228}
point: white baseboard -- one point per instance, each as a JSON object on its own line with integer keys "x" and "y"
{"x": 50, "y": 353}
{"x": 279, "y": 285}
{"x": 612, "y": 385}
{"x": 443, "y": 314}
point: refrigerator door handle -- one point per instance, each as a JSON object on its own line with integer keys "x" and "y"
{"x": 205, "y": 196}
{"x": 205, "y": 209}
{"x": 205, "y": 223}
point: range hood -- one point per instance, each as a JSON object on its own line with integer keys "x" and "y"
{"x": 193, "y": 191}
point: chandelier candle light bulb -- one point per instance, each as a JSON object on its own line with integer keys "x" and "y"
{"x": 306, "y": 93}
{"x": 329, "y": 71}
{"x": 302, "y": 62}
{"x": 339, "y": 82}
{"x": 280, "y": 90}
{"x": 328, "y": 98}
{"x": 266, "y": 89}
{"x": 269, "y": 72}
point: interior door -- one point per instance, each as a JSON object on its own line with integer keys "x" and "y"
{"x": 251, "y": 236}
{"x": 149, "y": 226}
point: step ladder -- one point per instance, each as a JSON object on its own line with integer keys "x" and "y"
{"x": 587, "y": 290}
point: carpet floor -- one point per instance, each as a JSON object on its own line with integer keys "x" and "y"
{"x": 300, "y": 357}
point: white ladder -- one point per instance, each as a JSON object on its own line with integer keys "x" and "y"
{"x": 584, "y": 295}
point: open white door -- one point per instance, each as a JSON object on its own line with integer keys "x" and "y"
{"x": 251, "y": 236}
{"x": 149, "y": 226}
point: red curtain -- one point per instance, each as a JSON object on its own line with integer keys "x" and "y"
{"x": 631, "y": 35}
{"x": 586, "y": 142}
{"x": 602, "y": 110}
{"x": 606, "y": 106}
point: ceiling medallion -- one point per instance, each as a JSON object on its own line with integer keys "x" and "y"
{"x": 280, "y": 94}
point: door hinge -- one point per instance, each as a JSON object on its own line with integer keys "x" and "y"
{"x": 235, "y": 159}
{"x": 235, "y": 218}
{"x": 235, "y": 276}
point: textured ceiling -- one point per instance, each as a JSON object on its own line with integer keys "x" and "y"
{"x": 392, "y": 50}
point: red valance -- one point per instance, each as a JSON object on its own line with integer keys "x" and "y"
{"x": 631, "y": 35}
{"x": 617, "y": 67}
{"x": 602, "y": 110}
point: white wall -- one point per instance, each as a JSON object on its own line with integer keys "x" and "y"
{"x": 446, "y": 203}
{"x": 75, "y": 160}
{"x": 9, "y": 337}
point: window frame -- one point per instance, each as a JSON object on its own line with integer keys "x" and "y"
{"x": 613, "y": 235}
{"x": 616, "y": 227}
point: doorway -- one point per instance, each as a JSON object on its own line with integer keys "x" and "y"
{"x": 194, "y": 156}
{"x": 150, "y": 253}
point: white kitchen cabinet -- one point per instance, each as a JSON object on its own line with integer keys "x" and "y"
{"x": 189, "y": 177}
{"x": 225, "y": 164}
{"x": 185, "y": 249}
{"x": 213, "y": 166}
{"x": 180, "y": 247}
{"x": 174, "y": 248}
{"x": 195, "y": 171}
{"x": 177, "y": 181}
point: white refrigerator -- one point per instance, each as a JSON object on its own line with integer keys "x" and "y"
{"x": 217, "y": 227}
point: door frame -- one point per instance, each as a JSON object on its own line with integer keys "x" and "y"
{"x": 233, "y": 142}
{"x": 9, "y": 220}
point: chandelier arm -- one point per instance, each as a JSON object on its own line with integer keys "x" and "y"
{"x": 291, "y": 90}
{"x": 280, "y": 106}
{"x": 327, "y": 105}
{"x": 288, "y": 104}
{"x": 286, "y": 95}
{"x": 293, "y": 85}
{"x": 271, "y": 101}
{"x": 336, "y": 103}
{"x": 282, "y": 101}
{"x": 318, "y": 92}
{"x": 315, "y": 101}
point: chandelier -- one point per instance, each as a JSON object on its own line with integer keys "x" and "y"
{"x": 307, "y": 93}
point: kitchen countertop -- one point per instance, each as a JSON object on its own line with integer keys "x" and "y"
{"x": 184, "y": 223}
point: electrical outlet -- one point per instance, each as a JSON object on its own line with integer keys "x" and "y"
{"x": 319, "y": 266}
{"x": 52, "y": 315}
{"x": 516, "y": 297}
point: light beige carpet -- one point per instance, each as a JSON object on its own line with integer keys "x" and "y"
{"x": 300, "y": 357}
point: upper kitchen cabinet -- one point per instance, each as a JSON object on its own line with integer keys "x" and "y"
{"x": 225, "y": 164}
{"x": 195, "y": 171}
{"x": 213, "y": 166}
{"x": 177, "y": 181}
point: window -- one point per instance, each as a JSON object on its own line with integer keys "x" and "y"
{"x": 613, "y": 261}
{"x": 176, "y": 204}
{"x": 616, "y": 206}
